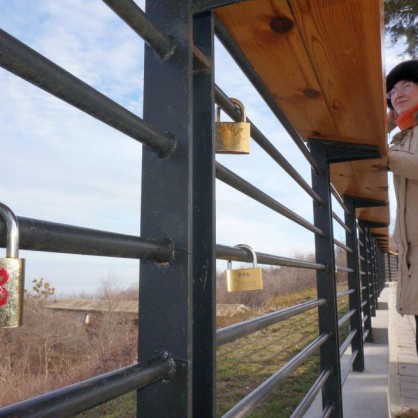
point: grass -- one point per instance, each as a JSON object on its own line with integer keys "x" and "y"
{"x": 248, "y": 362}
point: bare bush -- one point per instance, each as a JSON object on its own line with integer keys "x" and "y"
{"x": 54, "y": 349}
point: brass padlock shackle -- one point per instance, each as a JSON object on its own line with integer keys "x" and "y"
{"x": 247, "y": 248}
{"x": 237, "y": 103}
{"x": 12, "y": 248}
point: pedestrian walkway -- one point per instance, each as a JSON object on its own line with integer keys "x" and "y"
{"x": 403, "y": 360}
{"x": 388, "y": 386}
{"x": 365, "y": 394}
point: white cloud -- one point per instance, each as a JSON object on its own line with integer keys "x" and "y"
{"x": 61, "y": 165}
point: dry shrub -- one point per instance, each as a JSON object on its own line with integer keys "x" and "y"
{"x": 55, "y": 349}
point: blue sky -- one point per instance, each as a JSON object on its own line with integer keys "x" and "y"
{"x": 61, "y": 165}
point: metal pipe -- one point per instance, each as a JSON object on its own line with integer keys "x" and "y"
{"x": 133, "y": 16}
{"x": 224, "y": 102}
{"x": 28, "y": 64}
{"x": 233, "y": 332}
{"x": 47, "y": 236}
{"x": 347, "y": 342}
{"x": 345, "y": 318}
{"x": 341, "y": 222}
{"x": 345, "y": 293}
{"x": 253, "y": 399}
{"x": 343, "y": 246}
{"x": 346, "y": 269}
{"x": 339, "y": 199}
{"x": 348, "y": 368}
{"x": 233, "y": 180}
{"x": 253, "y": 76}
{"x": 76, "y": 398}
{"x": 206, "y": 5}
{"x": 224, "y": 252}
{"x": 306, "y": 402}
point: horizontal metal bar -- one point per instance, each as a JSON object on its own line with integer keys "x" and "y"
{"x": 28, "y": 64}
{"x": 253, "y": 399}
{"x": 47, "y": 236}
{"x": 339, "y": 199}
{"x": 344, "y": 269}
{"x": 233, "y": 332}
{"x": 345, "y": 293}
{"x": 329, "y": 409}
{"x": 342, "y": 245}
{"x": 131, "y": 14}
{"x": 346, "y": 317}
{"x": 363, "y": 304}
{"x": 200, "y": 6}
{"x": 365, "y": 334}
{"x": 233, "y": 180}
{"x": 347, "y": 342}
{"x": 79, "y": 397}
{"x": 344, "y": 375}
{"x": 341, "y": 222}
{"x": 251, "y": 73}
{"x": 200, "y": 60}
{"x": 223, "y": 101}
{"x": 306, "y": 402}
{"x": 224, "y": 252}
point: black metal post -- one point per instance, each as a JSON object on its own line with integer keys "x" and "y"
{"x": 373, "y": 274}
{"x": 166, "y": 290}
{"x": 365, "y": 280}
{"x": 204, "y": 270}
{"x": 353, "y": 262}
{"x": 328, "y": 315}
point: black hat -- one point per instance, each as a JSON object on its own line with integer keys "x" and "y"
{"x": 405, "y": 71}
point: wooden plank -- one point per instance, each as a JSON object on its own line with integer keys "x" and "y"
{"x": 259, "y": 27}
{"x": 364, "y": 178}
{"x": 322, "y": 62}
{"x": 344, "y": 43}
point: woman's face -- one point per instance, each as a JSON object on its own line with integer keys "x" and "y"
{"x": 404, "y": 95}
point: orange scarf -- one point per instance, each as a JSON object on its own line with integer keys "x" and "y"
{"x": 406, "y": 120}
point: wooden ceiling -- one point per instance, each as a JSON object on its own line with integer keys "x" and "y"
{"x": 322, "y": 62}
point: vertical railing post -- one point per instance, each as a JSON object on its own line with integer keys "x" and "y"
{"x": 324, "y": 248}
{"x": 373, "y": 276}
{"x": 389, "y": 266}
{"x": 366, "y": 279}
{"x": 382, "y": 270}
{"x": 204, "y": 289}
{"x": 354, "y": 282}
{"x": 166, "y": 290}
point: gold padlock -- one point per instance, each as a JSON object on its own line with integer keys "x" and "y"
{"x": 232, "y": 137}
{"x": 12, "y": 269}
{"x": 244, "y": 279}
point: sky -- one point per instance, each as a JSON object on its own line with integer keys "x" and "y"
{"x": 61, "y": 165}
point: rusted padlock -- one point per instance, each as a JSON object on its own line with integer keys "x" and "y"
{"x": 232, "y": 137}
{"x": 12, "y": 270}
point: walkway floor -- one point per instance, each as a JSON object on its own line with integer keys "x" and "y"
{"x": 389, "y": 384}
{"x": 403, "y": 360}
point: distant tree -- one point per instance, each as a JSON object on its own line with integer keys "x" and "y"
{"x": 401, "y": 20}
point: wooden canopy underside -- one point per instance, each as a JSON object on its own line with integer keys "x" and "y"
{"x": 321, "y": 60}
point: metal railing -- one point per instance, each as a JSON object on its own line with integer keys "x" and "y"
{"x": 176, "y": 372}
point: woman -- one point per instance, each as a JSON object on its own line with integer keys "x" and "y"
{"x": 402, "y": 94}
